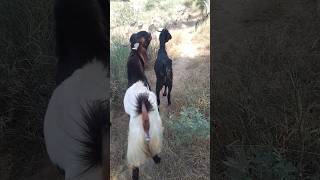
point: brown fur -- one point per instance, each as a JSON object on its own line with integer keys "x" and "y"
{"x": 145, "y": 119}
{"x": 142, "y": 51}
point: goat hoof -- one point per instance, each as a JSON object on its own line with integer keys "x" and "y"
{"x": 156, "y": 159}
{"x": 135, "y": 177}
{"x": 135, "y": 174}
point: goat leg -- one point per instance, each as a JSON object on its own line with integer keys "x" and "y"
{"x": 169, "y": 94}
{"x": 165, "y": 91}
{"x": 156, "y": 159}
{"x": 158, "y": 89}
{"x": 135, "y": 173}
{"x": 147, "y": 83}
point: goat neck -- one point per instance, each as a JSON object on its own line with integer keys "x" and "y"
{"x": 162, "y": 46}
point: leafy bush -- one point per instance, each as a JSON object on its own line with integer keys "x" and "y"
{"x": 191, "y": 123}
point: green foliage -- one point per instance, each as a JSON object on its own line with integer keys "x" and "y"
{"x": 119, "y": 53}
{"x": 191, "y": 123}
{"x": 259, "y": 164}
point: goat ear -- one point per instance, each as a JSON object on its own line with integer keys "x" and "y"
{"x": 142, "y": 52}
{"x": 142, "y": 41}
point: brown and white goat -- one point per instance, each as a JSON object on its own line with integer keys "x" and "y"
{"x": 145, "y": 126}
{"x": 137, "y": 59}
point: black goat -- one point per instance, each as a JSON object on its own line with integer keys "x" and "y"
{"x": 163, "y": 67}
{"x": 137, "y": 59}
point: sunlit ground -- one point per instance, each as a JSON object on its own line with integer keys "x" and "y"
{"x": 188, "y": 49}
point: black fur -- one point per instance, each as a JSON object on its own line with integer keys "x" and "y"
{"x": 135, "y": 69}
{"x": 96, "y": 131}
{"x": 81, "y": 34}
{"x": 135, "y": 173}
{"x": 156, "y": 159}
{"x": 60, "y": 170}
{"x": 135, "y": 65}
{"x": 143, "y": 98}
{"x": 163, "y": 67}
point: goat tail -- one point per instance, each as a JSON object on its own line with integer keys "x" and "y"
{"x": 145, "y": 132}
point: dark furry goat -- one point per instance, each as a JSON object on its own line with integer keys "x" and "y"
{"x": 77, "y": 124}
{"x": 138, "y": 58}
{"x": 163, "y": 67}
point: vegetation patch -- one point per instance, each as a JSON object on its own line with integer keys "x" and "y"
{"x": 189, "y": 124}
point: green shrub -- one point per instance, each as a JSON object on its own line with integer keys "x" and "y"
{"x": 191, "y": 123}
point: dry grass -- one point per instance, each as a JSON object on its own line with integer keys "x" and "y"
{"x": 27, "y": 69}
{"x": 266, "y": 94}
